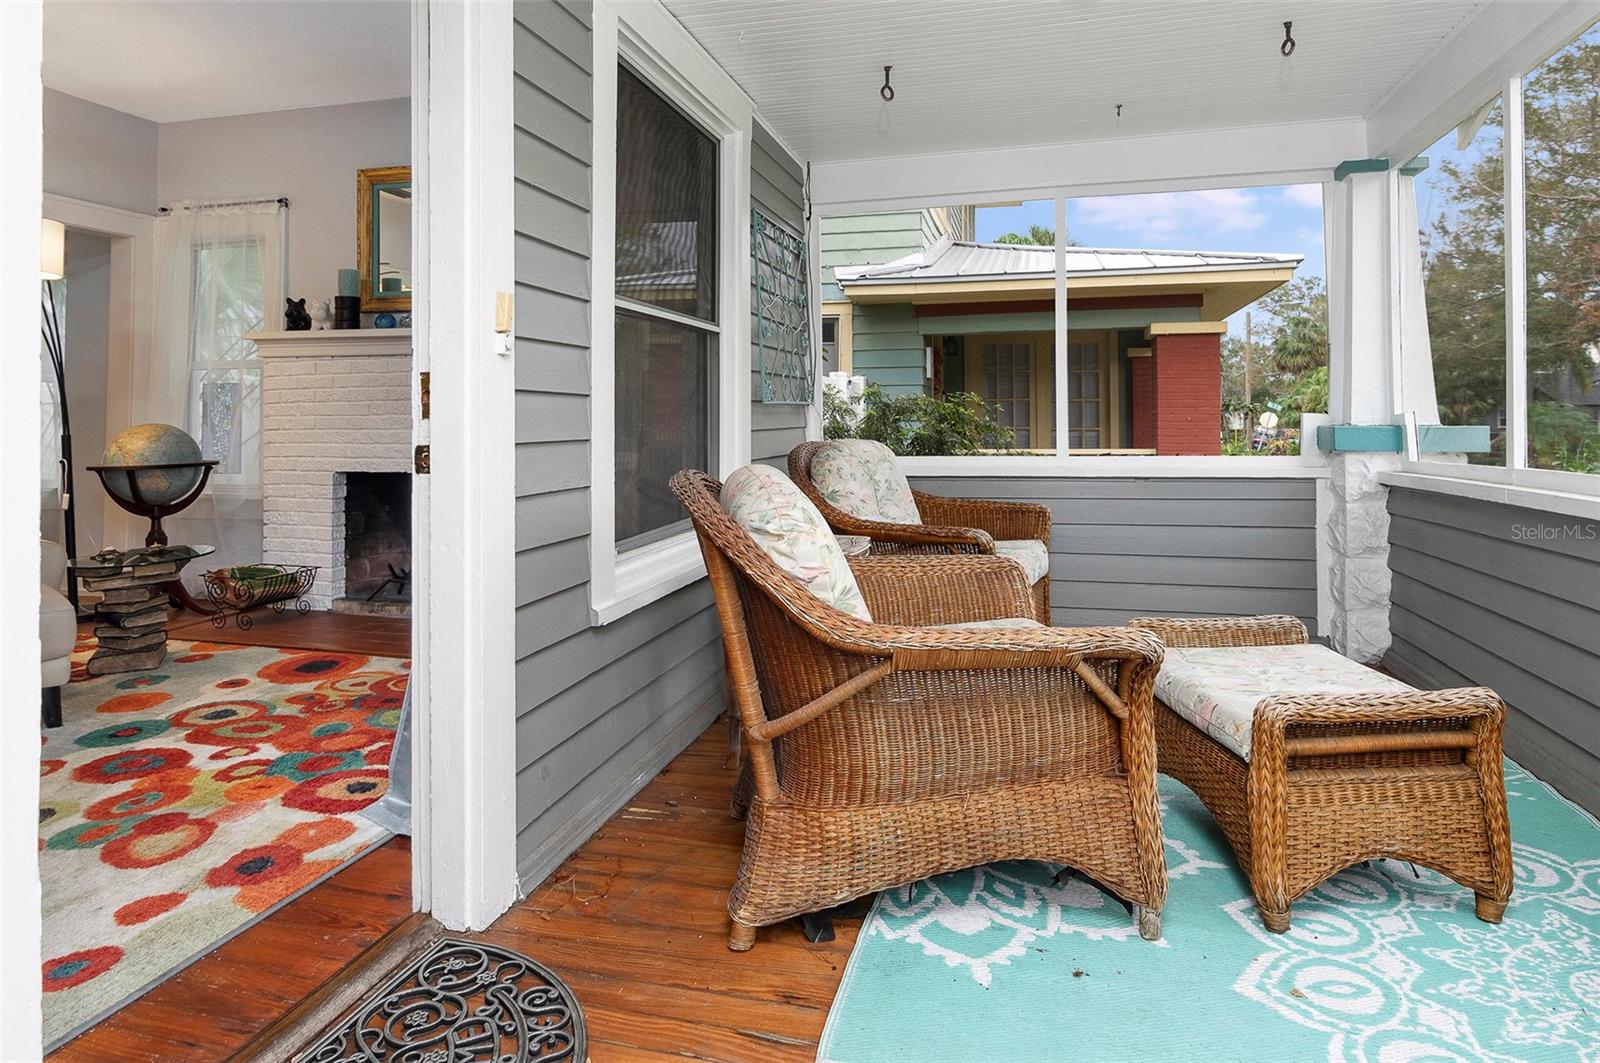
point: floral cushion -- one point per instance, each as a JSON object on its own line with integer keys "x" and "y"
{"x": 788, "y": 528}
{"x": 1000, "y": 624}
{"x": 860, "y": 477}
{"x": 1031, "y": 554}
{"x": 1217, "y": 688}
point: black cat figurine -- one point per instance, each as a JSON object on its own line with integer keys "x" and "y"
{"x": 295, "y": 316}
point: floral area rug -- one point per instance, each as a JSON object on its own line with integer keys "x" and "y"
{"x": 179, "y": 805}
{"x": 1382, "y": 963}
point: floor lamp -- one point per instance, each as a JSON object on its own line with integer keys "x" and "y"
{"x": 52, "y": 267}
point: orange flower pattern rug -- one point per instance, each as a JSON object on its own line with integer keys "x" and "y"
{"x": 179, "y": 805}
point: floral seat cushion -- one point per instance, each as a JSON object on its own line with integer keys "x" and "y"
{"x": 788, "y": 528}
{"x": 1217, "y": 688}
{"x": 860, "y": 477}
{"x": 1031, "y": 554}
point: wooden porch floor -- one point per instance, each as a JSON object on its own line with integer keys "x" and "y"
{"x": 636, "y": 921}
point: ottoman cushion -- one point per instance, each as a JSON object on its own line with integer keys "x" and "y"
{"x": 1217, "y": 688}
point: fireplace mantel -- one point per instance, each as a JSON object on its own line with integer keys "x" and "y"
{"x": 325, "y": 343}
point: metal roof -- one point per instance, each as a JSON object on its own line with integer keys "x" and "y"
{"x": 961, "y": 260}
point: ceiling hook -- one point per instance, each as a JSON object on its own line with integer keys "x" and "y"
{"x": 1119, "y": 112}
{"x": 1288, "y": 41}
{"x": 887, "y": 92}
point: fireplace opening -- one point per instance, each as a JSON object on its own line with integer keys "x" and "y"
{"x": 377, "y": 543}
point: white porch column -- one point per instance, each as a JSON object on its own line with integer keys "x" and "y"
{"x": 1360, "y": 391}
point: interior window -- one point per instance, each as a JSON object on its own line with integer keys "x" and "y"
{"x": 224, "y": 367}
{"x": 666, "y": 318}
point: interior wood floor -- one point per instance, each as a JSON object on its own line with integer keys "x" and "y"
{"x": 210, "y": 1009}
{"x": 207, "y": 1011}
{"x": 636, "y": 922}
{"x": 381, "y": 636}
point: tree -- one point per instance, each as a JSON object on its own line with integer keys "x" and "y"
{"x": 1037, "y": 235}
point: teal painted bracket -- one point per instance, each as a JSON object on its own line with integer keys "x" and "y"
{"x": 1350, "y": 166}
{"x": 1391, "y": 438}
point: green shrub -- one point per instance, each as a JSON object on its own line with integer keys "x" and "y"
{"x": 962, "y": 423}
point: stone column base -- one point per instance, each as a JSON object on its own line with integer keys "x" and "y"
{"x": 1358, "y": 541}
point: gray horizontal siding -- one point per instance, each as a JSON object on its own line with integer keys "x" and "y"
{"x": 1478, "y": 600}
{"x": 1203, "y": 547}
{"x": 777, "y": 189}
{"x": 599, "y": 710}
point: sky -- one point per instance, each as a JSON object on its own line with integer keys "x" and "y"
{"x": 1284, "y": 219}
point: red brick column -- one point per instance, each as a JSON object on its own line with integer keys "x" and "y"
{"x": 1188, "y": 393}
{"x": 1143, "y": 401}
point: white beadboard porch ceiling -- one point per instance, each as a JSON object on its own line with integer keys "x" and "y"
{"x": 974, "y": 74}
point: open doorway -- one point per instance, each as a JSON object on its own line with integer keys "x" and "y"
{"x": 229, "y": 339}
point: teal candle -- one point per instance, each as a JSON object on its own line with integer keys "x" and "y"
{"x": 349, "y": 282}
{"x": 392, "y": 284}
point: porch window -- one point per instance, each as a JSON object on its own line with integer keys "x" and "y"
{"x": 1505, "y": 321}
{"x": 1460, "y": 252}
{"x": 670, "y": 314}
{"x": 1561, "y": 176}
{"x": 666, "y": 307}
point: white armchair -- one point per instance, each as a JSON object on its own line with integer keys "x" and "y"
{"x": 58, "y": 630}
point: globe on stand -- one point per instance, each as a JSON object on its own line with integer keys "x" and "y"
{"x": 153, "y": 470}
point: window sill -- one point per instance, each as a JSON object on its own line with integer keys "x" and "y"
{"x": 648, "y": 574}
{"x": 1545, "y": 499}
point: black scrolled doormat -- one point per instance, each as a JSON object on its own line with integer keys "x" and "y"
{"x": 462, "y": 1002}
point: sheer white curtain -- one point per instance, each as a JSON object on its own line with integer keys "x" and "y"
{"x": 219, "y": 276}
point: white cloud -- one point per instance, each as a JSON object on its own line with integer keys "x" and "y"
{"x": 1147, "y": 218}
{"x": 1304, "y": 195}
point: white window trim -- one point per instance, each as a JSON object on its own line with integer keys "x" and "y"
{"x": 658, "y": 47}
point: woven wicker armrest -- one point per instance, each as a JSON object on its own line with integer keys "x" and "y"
{"x": 1224, "y": 631}
{"x": 1002, "y": 520}
{"x": 958, "y": 539}
{"x": 916, "y": 590}
{"x": 962, "y": 649}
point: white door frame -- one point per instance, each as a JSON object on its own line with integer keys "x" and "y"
{"x": 464, "y": 690}
{"x": 21, "y": 196}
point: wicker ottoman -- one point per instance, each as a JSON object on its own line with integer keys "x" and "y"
{"x": 1312, "y": 782}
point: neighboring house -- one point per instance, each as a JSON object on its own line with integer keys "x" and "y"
{"x": 1144, "y": 342}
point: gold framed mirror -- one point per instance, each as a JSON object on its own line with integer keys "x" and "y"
{"x": 383, "y": 237}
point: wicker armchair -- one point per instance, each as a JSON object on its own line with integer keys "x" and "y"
{"x": 881, "y": 753}
{"x": 1335, "y": 779}
{"x": 950, "y": 525}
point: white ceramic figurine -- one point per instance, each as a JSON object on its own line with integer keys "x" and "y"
{"x": 321, "y": 311}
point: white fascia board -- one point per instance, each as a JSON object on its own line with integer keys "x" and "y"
{"x": 1294, "y": 153}
{"x": 1504, "y": 39}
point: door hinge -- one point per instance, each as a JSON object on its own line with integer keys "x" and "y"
{"x": 424, "y": 390}
{"x": 423, "y": 460}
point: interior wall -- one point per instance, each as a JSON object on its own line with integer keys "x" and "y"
{"x": 309, "y": 155}
{"x": 98, "y": 154}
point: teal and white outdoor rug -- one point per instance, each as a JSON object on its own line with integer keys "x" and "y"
{"x": 1382, "y": 965}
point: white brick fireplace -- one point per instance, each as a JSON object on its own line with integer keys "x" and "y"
{"x": 332, "y": 403}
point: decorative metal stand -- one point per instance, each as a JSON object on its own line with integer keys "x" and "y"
{"x": 462, "y": 1002}
{"x": 236, "y": 592}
